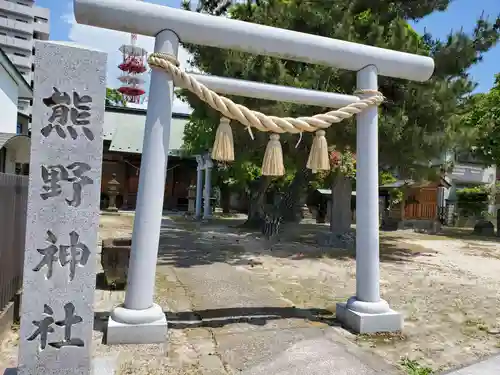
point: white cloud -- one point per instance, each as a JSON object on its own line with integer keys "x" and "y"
{"x": 109, "y": 41}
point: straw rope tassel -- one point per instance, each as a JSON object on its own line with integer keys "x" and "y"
{"x": 223, "y": 149}
{"x": 272, "y": 165}
{"x": 318, "y": 157}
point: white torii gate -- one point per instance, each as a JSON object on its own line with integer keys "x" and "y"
{"x": 139, "y": 320}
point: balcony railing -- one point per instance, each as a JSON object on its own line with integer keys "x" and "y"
{"x": 16, "y": 8}
{"x": 13, "y": 42}
{"x": 10, "y": 24}
{"x": 21, "y": 61}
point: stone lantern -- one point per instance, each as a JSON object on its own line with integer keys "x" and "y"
{"x": 112, "y": 193}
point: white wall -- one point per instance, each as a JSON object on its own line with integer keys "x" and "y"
{"x": 8, "y": 102}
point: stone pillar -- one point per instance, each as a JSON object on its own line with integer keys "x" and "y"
{"x": 191, "y": 199}
{"x": 112, "y": 193}
{"x": 367, "y": 312}
{"x": 199, "y": 186}
{"x": 57, "y": 315}
{"x": 140, "y": 320}
{"x": 207, "y": 209}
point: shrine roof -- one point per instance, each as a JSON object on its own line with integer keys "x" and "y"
{"x": 124, "y": 127}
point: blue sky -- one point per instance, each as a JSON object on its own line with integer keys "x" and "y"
{"x": 462, "y": 13}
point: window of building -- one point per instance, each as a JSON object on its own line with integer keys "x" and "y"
{"x": 20, "y": 54}
{"x": 19, "y": 129}
{"x": 467, "y": 157}
{"x": 3, "y": 34}
{"x": 25, "y": 170}
{"x": 3, "y": 16}
{"x": 21, "y": 20}
{"x": 20, "y": 37}
{"x": 41, "y": 20}
{"x": 22, "y": 169}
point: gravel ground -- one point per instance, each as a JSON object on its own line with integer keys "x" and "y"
{"x": 447, "y": 289}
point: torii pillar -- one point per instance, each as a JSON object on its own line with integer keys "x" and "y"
{"x": 139, "y": 320}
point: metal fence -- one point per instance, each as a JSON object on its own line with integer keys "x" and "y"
{"x": 13, "y": 207}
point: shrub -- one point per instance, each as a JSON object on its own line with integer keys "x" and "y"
{"x": 473, "y": 201}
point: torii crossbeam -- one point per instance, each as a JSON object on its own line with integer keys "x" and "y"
{"x": 139, "y": 320}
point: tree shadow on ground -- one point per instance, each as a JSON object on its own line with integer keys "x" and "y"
{"x": 190, "y": 244}
{"x": 217, "y": 318}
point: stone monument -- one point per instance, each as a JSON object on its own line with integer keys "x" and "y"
{"x": 57, "y": 314}
{"x": 112, "y": 193}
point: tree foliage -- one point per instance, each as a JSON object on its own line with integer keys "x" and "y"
{"x": 114, "y": 97}
{"x": 417, "y": 122}
{"x": 483, "y": 119}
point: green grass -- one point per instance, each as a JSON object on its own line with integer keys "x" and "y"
{"x": 414, "y": 368}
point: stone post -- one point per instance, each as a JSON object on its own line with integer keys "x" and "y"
{"x": 57, "y": 315}
{"x": 367, "y": 312}
{"x": 207, "y": 209}
{"x": 141, "y": 321}
{"x": 191, "y": 199}
{"x": 199, "y": 185}
{"x": 112, "y": 193}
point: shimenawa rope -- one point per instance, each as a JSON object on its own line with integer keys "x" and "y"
{"x": 223, "y": 149}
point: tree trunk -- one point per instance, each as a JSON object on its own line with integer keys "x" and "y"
{"x": 225, "y": 197}
{"x": 290, "y": 204}
{"x": 340, "y": 208}
{"x": 402, "y": 208}
{"x": 256, "y": 202}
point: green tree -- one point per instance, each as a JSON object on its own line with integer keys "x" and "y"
{"x": 417, "y": 122}
{"x": 114, "y": 97}
{"x": 483, "y": 119}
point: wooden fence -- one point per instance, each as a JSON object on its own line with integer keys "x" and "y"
{"x": 13, "y": 206}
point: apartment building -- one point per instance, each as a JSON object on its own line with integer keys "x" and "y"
{"x": 21, "y": 22}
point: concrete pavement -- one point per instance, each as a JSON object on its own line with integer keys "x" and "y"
{"x": 252, "y": 329}
{"x": 490, "y": 366}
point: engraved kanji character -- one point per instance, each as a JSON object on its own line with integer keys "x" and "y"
{"x": 76, "y": 253}
{"x": 63, "y": 109}
{"x": 53, "y": 175}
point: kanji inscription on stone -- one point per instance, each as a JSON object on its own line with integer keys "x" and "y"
{"x": 68, "y": 113}
{"x": 75, "y": 174}
{"x": 75, "y": 254}
{"x": 57, "y": 316}
{"x": 45, "y": 327}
